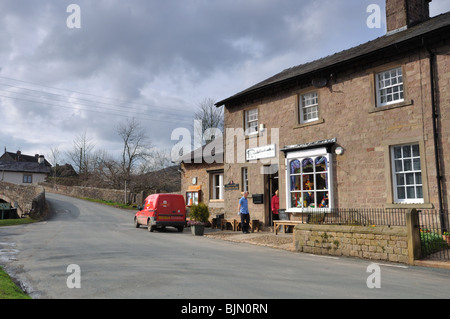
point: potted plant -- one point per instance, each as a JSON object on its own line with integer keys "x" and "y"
{"x": 198, "y": 215}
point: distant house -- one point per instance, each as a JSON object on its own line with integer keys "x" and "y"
{"x": 17, "y": 168}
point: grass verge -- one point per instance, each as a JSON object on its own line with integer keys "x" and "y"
{"x": 109, "y": 203}
{"x": 15, "y": 222}
{"x": 8, "y": 289}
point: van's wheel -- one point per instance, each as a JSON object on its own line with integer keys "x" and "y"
{"x": 180, "y": 229}
{"x": 136, "y": 224}
{"x": 150, "y": 227}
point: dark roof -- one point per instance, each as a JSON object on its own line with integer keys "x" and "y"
{"x": 19, "y": 157}
{"x": 347, "y": 56}
{"x": 196, "y": 156}
{"x": 24, "y": 167}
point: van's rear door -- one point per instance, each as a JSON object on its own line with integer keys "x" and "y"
{"x": 178, "y": 209}
{"x": 169, "y": 208}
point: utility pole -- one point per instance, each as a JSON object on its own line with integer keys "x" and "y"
{"x": 125, "y": 196}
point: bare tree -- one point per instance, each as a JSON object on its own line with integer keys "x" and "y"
{"x": 106, "y": 171}
{"x": 80, "y": 155}
{"x": 211, "y": 118}
{"x": 136, "y": 146}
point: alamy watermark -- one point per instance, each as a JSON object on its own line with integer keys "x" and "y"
{"x": 374, "y": 279}
{"x": 374, "y": 19}
{"x": 240, "y": 146}
{"x": 74, "y": 19}
{"x": 74, "y": 279}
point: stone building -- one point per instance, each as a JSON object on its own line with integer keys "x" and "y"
{"x": 202, "y": 177}
{"x": 18, "y": 168}
{"x": 368, "y": 127}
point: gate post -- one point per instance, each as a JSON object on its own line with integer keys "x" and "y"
{"x": 413, "y": 232}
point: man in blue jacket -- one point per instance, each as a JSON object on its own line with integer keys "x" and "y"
{"x": 245, "y": 214}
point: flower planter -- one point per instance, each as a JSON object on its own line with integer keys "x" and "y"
{"x": 197, "y": 230}
{"x": 447, "y": 239}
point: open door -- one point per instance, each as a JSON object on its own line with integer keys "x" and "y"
{"x": 270, "y": 186}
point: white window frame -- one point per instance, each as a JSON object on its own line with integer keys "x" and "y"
{"x": 309, "y": 107}
{"x": 27, "y": 179}
{"x": 217, "y": 186}
{"x": 251, "y": 121}
{"x": 313, "y": 154}
{"x": 407, "y": 173}
{"x": 390, "y": 87}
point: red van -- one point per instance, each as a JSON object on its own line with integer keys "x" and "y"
{"x": 161, "y": 210}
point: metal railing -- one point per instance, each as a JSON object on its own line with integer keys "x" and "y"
{"x": 434, "y": 234}
{"x": 355, "y": 216}
{"x": 433, "y": 225}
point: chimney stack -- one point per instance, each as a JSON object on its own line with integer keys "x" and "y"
{"x": 41, "y": 159}
{"x": 402, "y": 14}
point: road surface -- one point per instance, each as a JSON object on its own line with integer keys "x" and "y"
{"x": 87, "y": 250}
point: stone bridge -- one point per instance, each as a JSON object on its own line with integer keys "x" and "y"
{"x": 28, "y": 199}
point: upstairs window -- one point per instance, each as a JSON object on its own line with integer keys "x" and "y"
{"x": 251, "y": 122}
{"x": 389, "y": 87}
{"x": 309, "y": 107}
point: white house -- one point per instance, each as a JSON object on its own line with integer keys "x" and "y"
{"x": 20, "y": 169}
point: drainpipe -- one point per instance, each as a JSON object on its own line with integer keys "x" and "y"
{"x": 432, "y": 62}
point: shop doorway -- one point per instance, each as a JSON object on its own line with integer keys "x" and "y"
{"x": 270, "y": 186}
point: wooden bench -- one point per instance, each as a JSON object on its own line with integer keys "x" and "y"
{"x": 284, "y": 224}
{"x": 233, "y": 222}
{"x": 236, "y": 224}
{"x": 253, "y": 225}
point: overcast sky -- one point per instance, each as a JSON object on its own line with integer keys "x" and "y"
{"x": 153, "y": 60}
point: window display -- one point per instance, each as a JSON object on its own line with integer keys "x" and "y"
{"x": 309, "y": 184}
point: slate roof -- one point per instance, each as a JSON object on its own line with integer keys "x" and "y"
{"x": 24, "y": 167}
{"x": 13, "y": 157}
{"x": 371, "y": 48}
{"x": 196, "y": 156}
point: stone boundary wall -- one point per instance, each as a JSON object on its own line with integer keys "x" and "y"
{"x": 112, "y": 195}
{"x": 374, "y": 243}
{"x": 29, "y": 199}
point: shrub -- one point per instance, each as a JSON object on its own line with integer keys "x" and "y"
{"x": 199, "y": 213}
{"x": 431, "y": 242}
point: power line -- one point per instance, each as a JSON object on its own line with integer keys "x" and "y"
{"x": 124, "y": 108}
{"x": 95, "y": 111}
{"x": 77, "y": 92}
{"x": 77, "y": 98}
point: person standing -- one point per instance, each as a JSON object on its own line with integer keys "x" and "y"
{"x": 244, "y": 213}
{"x": 275, "y": 206}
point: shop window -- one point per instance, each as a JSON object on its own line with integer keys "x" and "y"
{"x": 192, "y": 197}
{"x": 407, "y": 174}
{"x": 251, "y": 122}
{"x": 309, "y": 181}
{"x": 389, "y": 86}
{"x": 309, "y": 107}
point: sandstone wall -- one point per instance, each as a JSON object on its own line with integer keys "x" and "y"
{"x": 29, "y": 199}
